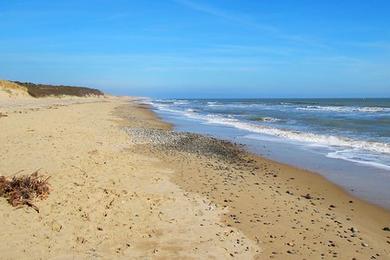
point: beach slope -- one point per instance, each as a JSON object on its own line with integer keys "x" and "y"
{"x": 123, "y": 185}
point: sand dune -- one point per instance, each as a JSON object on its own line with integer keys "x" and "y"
{"x": 12, "y": 90}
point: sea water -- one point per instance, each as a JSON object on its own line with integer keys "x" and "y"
{"x": 346, "y": 140}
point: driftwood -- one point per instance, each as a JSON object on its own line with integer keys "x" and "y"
{"x": 22, "y": 190}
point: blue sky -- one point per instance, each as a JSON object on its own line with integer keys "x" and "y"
{"x": 199, "y": 48}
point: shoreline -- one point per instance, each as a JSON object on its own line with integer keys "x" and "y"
{"x": 308, "y": 183}
{"x": 312, "y": 182}
{"x": 362, "y": 181}
{"x": 193, "y": 197}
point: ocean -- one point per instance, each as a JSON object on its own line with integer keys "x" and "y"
{"x": 329, "y": 136}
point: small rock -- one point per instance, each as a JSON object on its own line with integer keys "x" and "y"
{"x": 81, "y": 240}
{"x": 354, "y": 230}
{"x": 365, "y": 244}
{"x": 56, "y": 227}
{"x": 386, "y": 229}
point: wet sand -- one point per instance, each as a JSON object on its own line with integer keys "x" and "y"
{"x": 123, "y": 185}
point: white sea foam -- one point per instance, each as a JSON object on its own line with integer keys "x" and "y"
{"x": 375, "y": 154}
{"x": 345, "y": 109}
{"x": 311, "y": 138}
{"x": 268, "y": 119}
{"x": 354, "y": 155}
{"x": 180, "y": 102}
{"x": 304, "y": 137}
{"x": 239, "y": 105}
{"x": 316, "y": 108}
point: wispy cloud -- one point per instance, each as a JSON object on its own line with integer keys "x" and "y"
{"x": 253, "y": 49}
{"x": 246, "y": 20}
{"x": 238, "y": 18}
{"x": 381, "y": 45}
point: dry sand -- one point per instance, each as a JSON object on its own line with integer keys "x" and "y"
{"x": 113, "y": 196}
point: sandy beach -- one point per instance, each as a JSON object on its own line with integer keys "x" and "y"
{"x": 123, "y": 185}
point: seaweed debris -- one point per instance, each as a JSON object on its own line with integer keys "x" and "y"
{"x": 22, "y": 190}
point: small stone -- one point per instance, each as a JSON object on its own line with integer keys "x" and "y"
{"x": 81, "y": 240}
{"x": 354, "y": 230}
{"x": 386, "y": 229}
{"x": 365, "y": 244}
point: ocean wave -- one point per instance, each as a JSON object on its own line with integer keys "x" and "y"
{"x": 344, "y": 109}
{"x": 242, "y": 106}
{"x": 164, "y": 101}
{"x": 166, "y": 107}
{"x": 353, "y": 155}
{"x": 305, "y": 137}
{"x": 217, "y": 104}
{"x": 318, "y": 139}
{"x": 180, "y": 102}
{"x": 302, "y": 107}
{"x": 265, "y": 119}
{"x": 370, "y": 153}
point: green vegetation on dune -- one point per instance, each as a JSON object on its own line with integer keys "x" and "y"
{"x": 44, "y": 90}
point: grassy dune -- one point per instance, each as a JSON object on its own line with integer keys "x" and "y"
{"x": 44, "y": 90}
{"x": 16, "y": 88}
{"x": 9, "y": 88}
